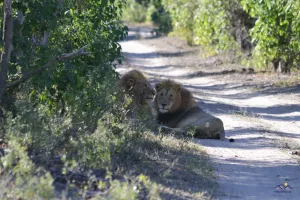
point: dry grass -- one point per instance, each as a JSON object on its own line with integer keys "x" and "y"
{"x": 178, "y": 165}
{"x": 293, "y": 80}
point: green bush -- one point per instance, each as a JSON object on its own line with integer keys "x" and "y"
{"x": 135, "y": 12}
{"x": 135, "y": 189}
{"x": 38, "y": 130}
{"x": 276, "y": 32}
{"x": 109, "y": 147}
{"x": 183, "y": 13}
{"x": 270, "y": 29}
{"x": 161, "y": 18}
{"x": 58, "y": 109}
{"x": 140, "y": 11}
{"x": 219, "y": 25}
{"x": 213, "y": 26}
{"x": 69, "y": 118}
{"x": 75, "y": 88}
{"x": 21, "y": 179}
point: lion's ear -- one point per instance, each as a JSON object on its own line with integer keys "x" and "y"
{"x": 158, "y": 86}
{"x": 178, "y": 87}
{"x": 130, "y": 84}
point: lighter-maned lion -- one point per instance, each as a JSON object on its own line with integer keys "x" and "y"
{"x": 178, "y": 110}
{"x": 136, "y": 85}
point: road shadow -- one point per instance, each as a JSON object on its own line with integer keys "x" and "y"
{"x": 142, "y": 32}
{"x": 269, "y": 113}
{"x": 250, "y": 138}
{"x": 250, "y": 94}
{"x": 245, "y": 176}
{"x": 135, "y": 56}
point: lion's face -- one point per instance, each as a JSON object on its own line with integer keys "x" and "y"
{"x": 141, "y": 90}
{"x": 167, "y": 98}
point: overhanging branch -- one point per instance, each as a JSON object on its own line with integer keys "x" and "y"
{"x": 59, "y": 58}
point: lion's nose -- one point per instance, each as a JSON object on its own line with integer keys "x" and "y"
{"x": 163, "y": 105}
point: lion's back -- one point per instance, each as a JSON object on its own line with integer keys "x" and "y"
{"x": 205, "y": 125}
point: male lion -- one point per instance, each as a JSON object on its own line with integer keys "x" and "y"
{"x": 135, "y": 84}
{"x": 178, "y": 110}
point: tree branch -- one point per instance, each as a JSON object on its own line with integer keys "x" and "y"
{"x": 7, "y": 45}
{"x": 59, "y": 58}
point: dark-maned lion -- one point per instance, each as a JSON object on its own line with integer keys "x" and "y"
{"x": 178, "y": 110}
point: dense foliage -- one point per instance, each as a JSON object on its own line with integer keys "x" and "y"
{"x": 149, "y": 10}
{"x": 276, "y": 32}
{"x": 135, "y": 11}
{"x": 208, "y": 23}
{"x": 60, "y": 110}
{"x": 268, "y": 28}
{"x": 266, "y": 31}
{"x": 161, "y": 17}
{"x": 46, "y": 29}
{"x": 183, "y": 14}
{"x": 70, "y": 26}
{"x": 64, "y": 130}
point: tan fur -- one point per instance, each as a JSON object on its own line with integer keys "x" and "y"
{"x": 177, "y": 109}
{"x": 174, "y": 96}
{"x": 135, "y": 84}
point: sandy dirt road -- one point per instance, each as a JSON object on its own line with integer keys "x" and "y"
{"x": 263, "y": 125}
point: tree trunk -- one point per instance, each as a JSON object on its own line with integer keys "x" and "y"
{"x": 286, "y": 68}
{"x": 276, "y": 64}
{"x": 7, "y": 45}
{"x": 280, "y": 66}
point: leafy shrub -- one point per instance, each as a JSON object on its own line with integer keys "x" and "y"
{"x": 135, "y": 12}
{"x": 66, "y": 27}
{"x": 276, "y": 31}
{"x": 268, "y": 28}
{"x": 114, "y": 137}
{"x": 215, "y": 24}
{"x": 183, "y": 14}
{"x": 72, "y": 94}
{"x": 135, "y": 189}
{"x": 21, "y": 179}
{"x": 161, "y": 18}
{"x": 150, "y": 10}
{"x": 69, "y": 112}
{"x": 46, "y": 135}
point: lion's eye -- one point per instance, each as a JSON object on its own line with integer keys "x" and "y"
{"x": 161, "y": 94}
{"x": 171, "y": 96}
